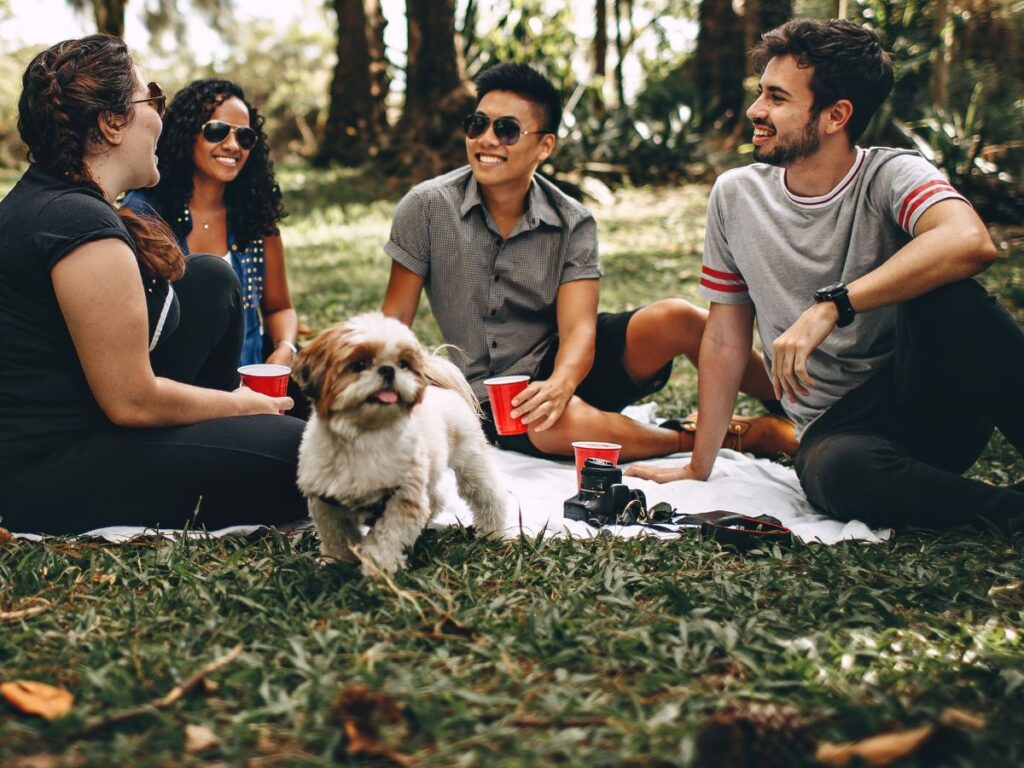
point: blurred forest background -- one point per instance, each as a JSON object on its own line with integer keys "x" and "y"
{"x": 655, "y": 94}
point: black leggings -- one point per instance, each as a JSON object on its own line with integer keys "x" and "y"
{"x": 211, "y": 474}
{"x": 892, "y": 451}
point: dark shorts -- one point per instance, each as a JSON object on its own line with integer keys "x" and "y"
{"x": 608, "y": 387}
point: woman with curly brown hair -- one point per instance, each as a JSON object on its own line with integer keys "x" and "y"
{"x": 117, "y": 373}
{"x": 218, "y": 194}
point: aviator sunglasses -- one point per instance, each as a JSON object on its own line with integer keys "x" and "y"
{"x": 215, "y": 131}
{"x": 506, "y": 129}
{"x": 156, "y": 97}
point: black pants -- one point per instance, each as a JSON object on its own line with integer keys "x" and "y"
{"x": 215, "y": 473}
{"x": 892, "y": 451}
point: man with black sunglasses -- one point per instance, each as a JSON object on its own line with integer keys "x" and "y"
{"x": 510, "y": 267}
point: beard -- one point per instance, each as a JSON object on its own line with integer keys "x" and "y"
{"x": 786, "y": 150}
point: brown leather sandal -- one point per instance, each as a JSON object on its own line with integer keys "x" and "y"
{"x": 767, "y": 435}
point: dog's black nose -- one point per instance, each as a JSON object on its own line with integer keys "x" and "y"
{"x": 387, "y": 373}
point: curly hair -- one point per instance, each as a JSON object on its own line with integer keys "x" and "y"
{"x": 253, "y": 198}
{"x": 64, "y": 91}
{"x": 848, "y": 62}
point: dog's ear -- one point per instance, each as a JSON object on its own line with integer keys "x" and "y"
{"x": 418, "y": 364}
{"x": 302, "y": 374}
{"x": 312, "y": 368}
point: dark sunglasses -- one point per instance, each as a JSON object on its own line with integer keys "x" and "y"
{"x": 156, "y": 97}
{"x": 506, "y": 129}
{"x": 216, "y": 131}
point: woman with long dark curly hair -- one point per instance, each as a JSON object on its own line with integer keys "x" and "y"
{"x": 217, "y": 192}
{"x": 118, "y": 398}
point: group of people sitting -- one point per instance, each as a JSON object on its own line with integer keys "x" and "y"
{"x": 126, "y": 316}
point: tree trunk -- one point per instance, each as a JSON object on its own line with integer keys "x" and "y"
{"x": 355, "y": 119}
{"x": 600, "y": 38}
{"x": 109, "y": 16}
{"x": 941, "y": 54}
{"x": 600, "y": 52}
{"x": 620, "y": 50}
{"x": 773, "y": 13}
{"x": 428, "y": 138}
{"x": 719, "y": 64}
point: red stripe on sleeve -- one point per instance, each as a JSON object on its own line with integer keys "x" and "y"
{"x": 722, "y": 287}
{"x": 722, "y": 275}
{"x": 923, "y": 198}
{"x": 903, "y": 218}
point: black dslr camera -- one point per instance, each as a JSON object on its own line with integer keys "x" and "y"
{"x": 603, "y": 499}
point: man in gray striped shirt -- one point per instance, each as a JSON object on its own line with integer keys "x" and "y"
{"x": 856, "y": 262}
{"x": 510, "y": 267}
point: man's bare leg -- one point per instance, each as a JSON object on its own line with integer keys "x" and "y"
{"x": 662, "y": 331}
{"x": 582, "y": 421}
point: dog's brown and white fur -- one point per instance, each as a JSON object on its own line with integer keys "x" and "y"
{"x": 389, "y": 418}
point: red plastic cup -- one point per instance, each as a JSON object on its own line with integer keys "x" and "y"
{"x": 267, "y": 378}
{"x": 500, "y": 392}
{"x": 585, "y": 449}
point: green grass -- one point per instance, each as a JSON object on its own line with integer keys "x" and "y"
{"x": 517, "y": 653}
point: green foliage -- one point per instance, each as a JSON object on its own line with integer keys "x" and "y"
{"x": 950, "y": 141}
{"x": 285, "y": 72}
{"x": 12, "y": 67}
{"x": 528, "y": 31}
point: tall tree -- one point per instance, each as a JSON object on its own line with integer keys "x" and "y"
{"x": 721, "y": 62}
{"x": 942, "y": 53}
{"x": 162, "y": 15}
{"x": 109, "y": 14}
{"x": 600, "y": 49}
{"x": 356, "y": 119}
{"x": 621, "y": 46}
{"x": 427, "y": 138}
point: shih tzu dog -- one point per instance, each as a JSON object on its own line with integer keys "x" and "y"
{"x": 388, "y": 419}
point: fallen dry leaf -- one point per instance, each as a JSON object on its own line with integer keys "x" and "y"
{"x": 883, "y": 749}
{"x": 929, "y": 742}
{"x": 940, "y": 739}
{"x": 34, "y": 698}
{"x": 957, "y": 718}
{"x": 104, "y": 578}
{"x": 199, "y": 738}
{"x": 362, "y": 712}
{"x": 5, "y": 536}
{"x": 46, "y": 760}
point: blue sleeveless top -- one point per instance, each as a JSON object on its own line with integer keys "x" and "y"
{"x": 246, "y": 260}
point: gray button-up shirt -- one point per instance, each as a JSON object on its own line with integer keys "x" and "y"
{"x": 494, "y": 299}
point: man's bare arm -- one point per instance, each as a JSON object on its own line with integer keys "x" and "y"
{"x": 950, "y": 244}
{"x": 724, "y": 356}
{"x": 543, "y": 402}
{"x": 403, "y": 294}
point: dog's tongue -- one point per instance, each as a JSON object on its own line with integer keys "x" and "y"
{"x": 387, "y": 396}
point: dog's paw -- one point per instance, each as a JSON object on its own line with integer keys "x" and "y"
{"x": 376, "y": 564}
{"x": 325, "y": 561}
{"x": 334, "y": 556}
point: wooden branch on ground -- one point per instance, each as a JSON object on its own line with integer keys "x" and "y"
{"x": 22, "y": 614}
{"x": 100, "y": 723}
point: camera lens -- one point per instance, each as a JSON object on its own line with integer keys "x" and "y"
{"x": 598, "y": 475}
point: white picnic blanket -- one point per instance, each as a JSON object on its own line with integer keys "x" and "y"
{"x": 536, "y": 489}
{"x": 740, "y": 483}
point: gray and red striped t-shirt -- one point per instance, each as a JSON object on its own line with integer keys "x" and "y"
{"x": 767, "y": 246}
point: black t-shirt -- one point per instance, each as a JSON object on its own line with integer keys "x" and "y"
{"x": 45, "y": 400}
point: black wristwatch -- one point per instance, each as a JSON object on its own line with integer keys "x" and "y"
{"x": 838, "y": 295}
